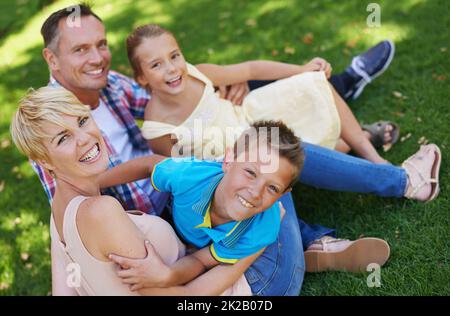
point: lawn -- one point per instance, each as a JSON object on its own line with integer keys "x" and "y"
{"x": 414, "y": 92}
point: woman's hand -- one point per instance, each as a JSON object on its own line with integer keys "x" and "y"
{"x": 149, "y": 272}
{"x": 319, "y": 64}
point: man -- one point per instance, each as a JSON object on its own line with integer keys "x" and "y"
{"x": 79, "y": 60}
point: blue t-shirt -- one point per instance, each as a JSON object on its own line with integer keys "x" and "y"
{"x": 193, "y": 183}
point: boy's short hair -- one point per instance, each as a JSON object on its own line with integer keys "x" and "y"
{"x": 46, "y": 104}
{"x": 49, "y": 29}
{"x": 287, "y": 144}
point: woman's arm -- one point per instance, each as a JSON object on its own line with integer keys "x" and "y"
{"x": 129, "y": 171}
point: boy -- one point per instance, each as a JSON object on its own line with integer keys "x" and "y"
{"x": 226, "y": 210}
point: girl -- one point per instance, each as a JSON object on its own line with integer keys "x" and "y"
{"x": 185, "y": 110}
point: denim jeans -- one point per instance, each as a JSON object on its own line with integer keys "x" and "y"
{"x": 332, "y": 170}
{"x": 281, "y": 267}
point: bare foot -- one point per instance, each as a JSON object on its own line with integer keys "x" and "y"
{"x": 419, "y": 169}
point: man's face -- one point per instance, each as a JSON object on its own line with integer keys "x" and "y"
{"x": 82, "y": 59}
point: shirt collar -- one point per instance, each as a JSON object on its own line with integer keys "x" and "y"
{"x": 203, "y": 205}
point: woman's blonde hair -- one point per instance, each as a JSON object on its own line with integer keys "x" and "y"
{"x": 46, "y": 104}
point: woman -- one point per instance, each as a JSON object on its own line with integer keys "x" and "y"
{"x": 54, "y": 129}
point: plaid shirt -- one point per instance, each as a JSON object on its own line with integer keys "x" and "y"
{"x": 126, "y": 100}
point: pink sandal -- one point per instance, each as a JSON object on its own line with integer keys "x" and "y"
{"x": 409, "y": 165}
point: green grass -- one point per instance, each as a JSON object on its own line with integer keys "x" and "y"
{"x": 232, "y": 31}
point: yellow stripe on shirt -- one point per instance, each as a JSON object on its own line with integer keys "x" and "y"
{"x": 224, "y": 260}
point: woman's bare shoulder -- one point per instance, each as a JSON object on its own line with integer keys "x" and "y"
{"x": 100, "y": 210}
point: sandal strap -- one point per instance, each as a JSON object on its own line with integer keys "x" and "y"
{"x": 423, "y": 180}
{"x": 326, "y": 240}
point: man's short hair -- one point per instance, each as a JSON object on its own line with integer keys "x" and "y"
{"x": 49, "y": 29}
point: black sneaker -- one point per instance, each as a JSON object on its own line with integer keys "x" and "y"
{"x": 368, "y": 66}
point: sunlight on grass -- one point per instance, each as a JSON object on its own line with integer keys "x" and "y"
{"x": 359, "y": 33}
{"x": 6, "y": 266}
{"x": 272, "y": 6}
{"x": 13, "y": 49}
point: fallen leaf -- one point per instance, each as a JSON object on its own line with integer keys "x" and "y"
{"x": 5, "y": 143}
{"x": 15, "y": 169}
{"x": 441, "y": 78}
{"x": 2, "y": 186}
{"x": 308, "y": 38}
{"x": 251, "y": 22}
{"x": 275, "y": 53}
{"x": 210, "y": 51}
{"x": 443, "y": 49}
{"x": 351, "y": 43}
{"x": 397, "y": 94}
{"x": 289, "y": 50}
{"x": 405, "y": 137}
{"x": 399, "y": 114}
{"x": 24, "y": 256}
{"x": 29, "y": 266}
{"x": 419, "y": 119}
{"x": 422, "y": 141}
{"x": 17, "y": 221}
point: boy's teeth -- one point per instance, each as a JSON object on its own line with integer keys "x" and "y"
{"x": 245, "y": 203}
{"x": 91, "y": 154}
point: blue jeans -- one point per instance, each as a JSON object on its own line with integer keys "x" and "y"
{"x": 281, "y": 267}
{"x": 332, "y": 170}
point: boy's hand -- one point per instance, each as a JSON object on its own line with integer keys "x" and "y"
{"x": 319, "y": 64}
{"x": 139, "y": 273}
{"x": 234, "y": 93}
